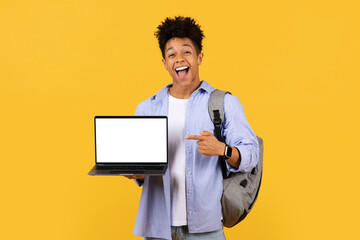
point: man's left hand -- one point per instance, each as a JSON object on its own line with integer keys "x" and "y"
{"x": 208, "y": 144}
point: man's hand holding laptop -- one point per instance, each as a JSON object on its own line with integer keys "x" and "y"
{"x": 135, "y": 176}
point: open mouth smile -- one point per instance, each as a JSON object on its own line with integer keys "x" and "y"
{"x": 182, "y": 71}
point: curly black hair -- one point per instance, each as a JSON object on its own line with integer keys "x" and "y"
{"x": 180, "y": 27}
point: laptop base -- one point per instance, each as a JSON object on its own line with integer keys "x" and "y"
{"x": 95, "y": 171}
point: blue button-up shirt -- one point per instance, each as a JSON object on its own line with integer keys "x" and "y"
{"x": 203, "y": 176}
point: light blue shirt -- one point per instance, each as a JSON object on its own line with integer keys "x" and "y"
{"x": 203, "y": 176}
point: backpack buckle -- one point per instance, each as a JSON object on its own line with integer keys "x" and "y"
{"x": 217, "y": 121}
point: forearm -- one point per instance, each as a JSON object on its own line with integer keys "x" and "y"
{"x": 235, "y": 158}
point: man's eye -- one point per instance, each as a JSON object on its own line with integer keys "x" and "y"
{"x": 187, "y": 52}
{"x": 171, "y": 55}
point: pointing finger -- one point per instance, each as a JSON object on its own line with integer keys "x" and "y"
{"x": 194, "y": 137}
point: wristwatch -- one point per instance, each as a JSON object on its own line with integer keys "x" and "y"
{"x": 228, "y": 152}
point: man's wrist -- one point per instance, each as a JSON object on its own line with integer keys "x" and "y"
{"x": 222, "y": 149}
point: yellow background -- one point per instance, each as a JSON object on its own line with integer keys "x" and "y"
{"x": 293, "y": 64}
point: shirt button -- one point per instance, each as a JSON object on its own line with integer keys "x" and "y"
{"x": 190, "y": 212}
{"x": 189, "y": 192}
{"x": 189, "y": 172}
{"x": 187, "y": 133}
{"x": 188, "y": 152}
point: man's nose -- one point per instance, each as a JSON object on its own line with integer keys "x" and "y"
{"x": 179, "y": 58}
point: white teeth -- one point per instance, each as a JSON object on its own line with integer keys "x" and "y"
{"x": 181, "y": 68}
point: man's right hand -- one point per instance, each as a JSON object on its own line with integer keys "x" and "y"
{"x": 140, "y": 177}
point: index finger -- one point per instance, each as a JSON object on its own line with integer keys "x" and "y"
{"x": 194, "y": 137}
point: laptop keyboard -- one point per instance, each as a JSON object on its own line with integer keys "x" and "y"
{"x": 149, "y": 167}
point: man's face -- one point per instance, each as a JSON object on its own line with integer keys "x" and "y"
{"x": 182, "y": 61}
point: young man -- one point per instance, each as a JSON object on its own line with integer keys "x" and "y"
{"x": 185, "y": 203}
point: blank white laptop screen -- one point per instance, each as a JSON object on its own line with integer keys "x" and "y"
{"x": 131, "y": 140}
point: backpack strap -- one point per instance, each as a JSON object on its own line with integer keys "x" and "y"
{"x": 216, "y": 111}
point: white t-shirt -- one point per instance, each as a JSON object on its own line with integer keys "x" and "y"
{"x": 176, "y": 143}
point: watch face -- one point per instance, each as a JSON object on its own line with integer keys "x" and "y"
{"x": 228, "y": 151}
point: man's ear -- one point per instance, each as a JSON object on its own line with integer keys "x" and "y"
{"x": 200, "y": 58}
{"x": 164, "y": 62}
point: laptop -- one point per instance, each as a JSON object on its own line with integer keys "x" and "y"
{"x": 130, "y": 145}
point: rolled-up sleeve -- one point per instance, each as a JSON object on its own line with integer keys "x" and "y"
{"x": 238, "y": 133}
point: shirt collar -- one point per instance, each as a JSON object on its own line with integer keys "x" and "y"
{"x": 165, "y": 90}
{"x": 207, "y": 87}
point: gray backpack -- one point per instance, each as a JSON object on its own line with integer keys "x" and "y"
{"x": 240, "y": 190}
